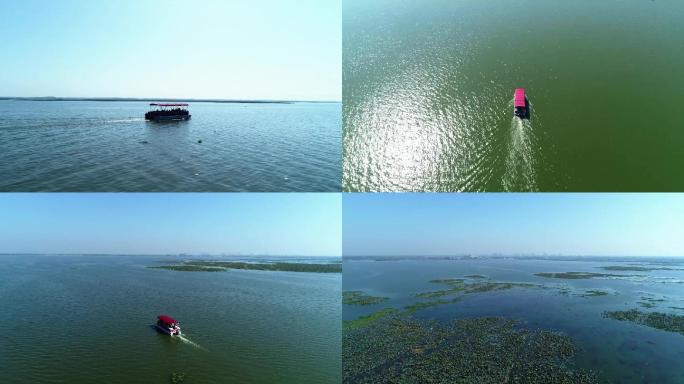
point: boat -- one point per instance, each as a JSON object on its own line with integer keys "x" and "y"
{"x": 521, "y": 105}
{"x": 168, "y": 112}
{"x": 168, "y": 325}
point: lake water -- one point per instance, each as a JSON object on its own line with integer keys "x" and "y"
{"x": 621, "y": 352}
{"x": 428, "y": 89}
{"x": 108, "y": 146}
{"x": 86, "y": 319}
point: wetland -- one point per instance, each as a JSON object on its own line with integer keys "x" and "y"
{"x": 492, "y": 320}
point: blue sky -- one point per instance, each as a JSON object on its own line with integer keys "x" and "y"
{"x": 259, "y": 49}
{"x": 152, "y": 223}
{"x": 513, "y": 224}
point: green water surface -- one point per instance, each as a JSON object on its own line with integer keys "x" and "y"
{"x": 88, "y": 319}
{"x": 428, "y": 88}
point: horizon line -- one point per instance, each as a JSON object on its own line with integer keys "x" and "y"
{"x": 326, "y": 256}
{"x": 197, "y": 100}
{"x": 149, "y": 254}
{"x": 508, "y": 255}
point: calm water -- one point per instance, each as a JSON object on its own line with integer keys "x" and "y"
{"x": 86, "y": 319}
{"x": 621, "y": 351}
{"x": 428, "y": 89}
{"x": 108, "y": 146}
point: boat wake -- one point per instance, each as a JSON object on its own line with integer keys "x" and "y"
{"x": 131, "y": 120}
{"x": 521, "y": 169}
{"x": 190, "y": 342}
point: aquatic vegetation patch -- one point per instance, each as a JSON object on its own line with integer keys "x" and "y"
{"x": 190, "y": 268}
{"x": 663, "y": 321}
{"x": 177, "y": 377}
{"x": 425, "y": 304}
{"x": 594, "y": 293}
{"x": 360, "y": 298}
{"x": 564, "y": 291}
{"x": 475, "y": 276}
{"x": 636, "y": 268}
{"x": 652, "y": 299}
{"x": 457, "y": 282}
{"x": 431, "y": 294}
{"x": 575, "y": 275}
{"x": 458, "y": 286}
{"x": 649, "y": 301}
{"x": 401, "y": 349}
{"x": 364, "y": 321}
{"x": 217, "y": 266}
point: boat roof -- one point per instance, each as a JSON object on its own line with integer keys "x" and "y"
{"x": 170, "y": 105}
{"x": 167, "y": 319}
{"x": 519, "y": 100}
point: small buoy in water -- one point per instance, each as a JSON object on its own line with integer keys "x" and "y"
{"x": 199, "y": 141}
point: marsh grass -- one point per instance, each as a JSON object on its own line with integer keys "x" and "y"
{"x": 636, "y": 268}
{"x": 219, "y": 266}
{"x": 575, "y": 275}
{"x": 190, "y": 268}
{"x": 462, "y": 286}
{"x": 594, "y": 293}
{"x": 663, "y": 321}
{"x": 366, "y": 320}
{"x": 401, "y": 349}
{"x": 360, "y": 298}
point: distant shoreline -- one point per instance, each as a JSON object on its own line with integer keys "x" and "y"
{"x": 182, "y": 255}
{"x": 626, "y": 258}
{"x": 223, "y": 266}
{"x": 115, "y": 99}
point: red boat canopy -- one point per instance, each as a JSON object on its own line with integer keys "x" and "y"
{"x": 519, "y": 100}
{"x": 169, "y": 105}
{"x": 166, "y": 319}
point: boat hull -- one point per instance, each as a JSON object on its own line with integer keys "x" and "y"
{"x": 167, "y": 330}
{"x": 168, "y": 118}
{"x": 523, "y": 112}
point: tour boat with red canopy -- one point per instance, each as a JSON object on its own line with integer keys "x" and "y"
{"x": 521, "y": 105}
{"x": 168, "y": 112}
{"x": 168, "y": 325}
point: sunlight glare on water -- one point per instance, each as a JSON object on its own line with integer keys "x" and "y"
{"x": 427, "y": 86}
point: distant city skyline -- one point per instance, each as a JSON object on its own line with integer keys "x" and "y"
{"x": 260, "y": 50}
{"x": 250, "y": 224}
{"x": 513, "y": 225}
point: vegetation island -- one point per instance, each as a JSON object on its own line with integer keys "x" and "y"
{"x": 222, "y": 266}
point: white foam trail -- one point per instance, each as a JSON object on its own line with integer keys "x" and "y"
{"x": 188, "y": 341}
{"x": 520, "y": 173}
{"x": 125, "y": 120}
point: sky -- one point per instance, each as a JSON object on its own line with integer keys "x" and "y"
{"x": 224, "y": 49}
{"x": 157, "y": 223}
{"x": 513, "y": 224}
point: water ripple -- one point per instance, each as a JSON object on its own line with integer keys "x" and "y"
{"x": 103, "y": 146}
